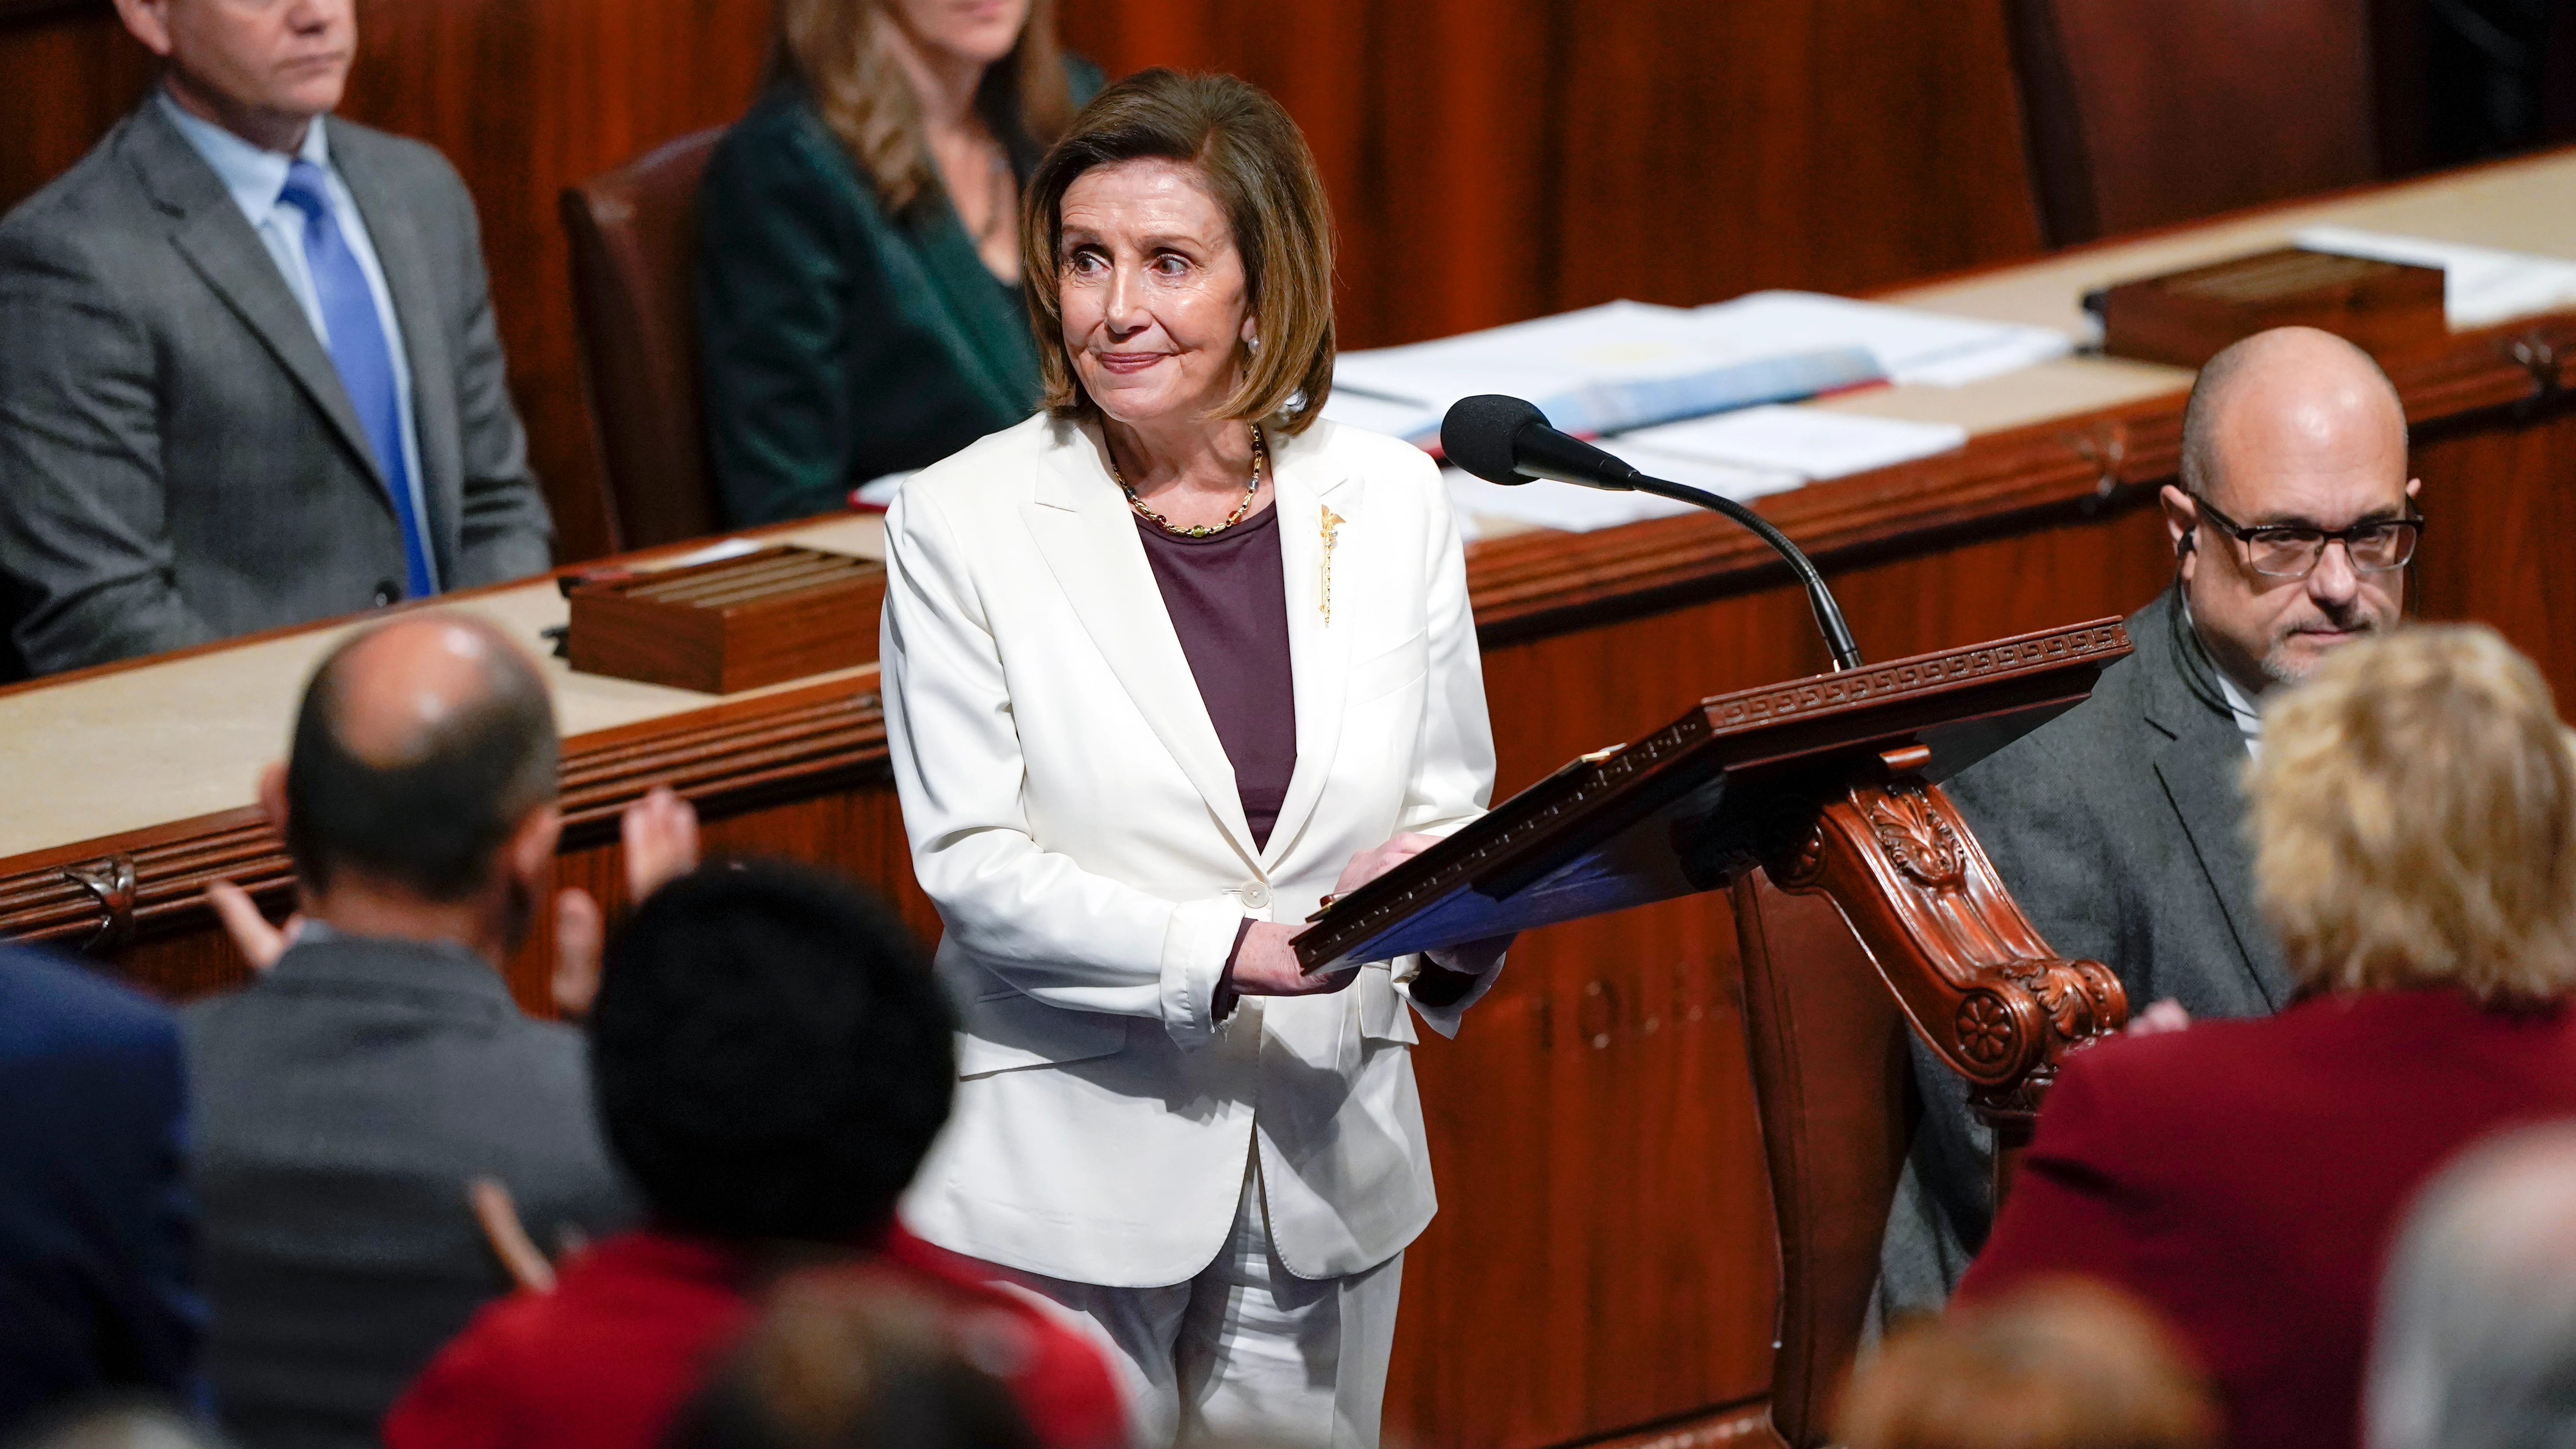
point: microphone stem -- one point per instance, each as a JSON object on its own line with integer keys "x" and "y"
{"x": 1829, "y": 615}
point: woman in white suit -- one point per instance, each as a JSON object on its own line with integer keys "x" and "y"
{"x": 1163, "y": 666}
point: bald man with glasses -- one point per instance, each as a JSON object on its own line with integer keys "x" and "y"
{"x": 2117, "y": 825}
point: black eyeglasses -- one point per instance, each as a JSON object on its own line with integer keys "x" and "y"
{"x": 2291, "y": 551}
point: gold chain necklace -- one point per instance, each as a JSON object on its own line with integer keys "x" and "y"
{"x": 1260, "y": 451}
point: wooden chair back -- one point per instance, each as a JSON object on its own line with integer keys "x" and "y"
{"x": 2141, "y": 113}
{"x": 634, "y": 234}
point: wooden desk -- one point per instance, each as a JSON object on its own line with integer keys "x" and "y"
{"x": 1605, "y": 1260}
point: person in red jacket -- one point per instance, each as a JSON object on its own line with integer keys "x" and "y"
{"x": 771, "y": 1058}
{"x": 2413, "y": 811}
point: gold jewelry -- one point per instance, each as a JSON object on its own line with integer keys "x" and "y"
{"x": 1260, "y": 450}
{"x": 1331, "y": 521}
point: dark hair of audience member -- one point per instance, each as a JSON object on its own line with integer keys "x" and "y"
{"x": 851, "y": 1361}
{"x": 771, "y": 1054}
{"x": 430, "y": 820}
{"x": 2063, "y": 1364}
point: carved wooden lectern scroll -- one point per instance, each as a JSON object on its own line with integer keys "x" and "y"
{"x": 1864, "y": 906}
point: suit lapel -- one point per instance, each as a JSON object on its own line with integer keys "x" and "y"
{"x": 1305, "y": 485}
{"x": 2199, "y": 766}
{"x": 1088, "y": 537}
{"x": 224, "y": 250}
{"x": 433, "y": 379}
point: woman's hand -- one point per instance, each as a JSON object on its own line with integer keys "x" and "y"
{"x": 1368, "y": 865}
{"x": 1267, "y": 966}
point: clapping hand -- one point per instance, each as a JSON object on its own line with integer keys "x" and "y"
{"x": 659, "y": 834}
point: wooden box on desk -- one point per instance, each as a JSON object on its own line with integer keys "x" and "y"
{"x": 734, "y": 624}
{"x": 2185, "y": 318}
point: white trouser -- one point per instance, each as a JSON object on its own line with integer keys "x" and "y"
{"x": 1246, "y": 1347}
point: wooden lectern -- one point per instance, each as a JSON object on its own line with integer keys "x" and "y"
{"x": 1864, "y": 906}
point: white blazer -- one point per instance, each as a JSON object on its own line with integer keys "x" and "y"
{"x": 1073, "y": 815}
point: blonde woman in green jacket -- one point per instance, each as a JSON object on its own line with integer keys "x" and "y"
{"x": 858, "y": 290}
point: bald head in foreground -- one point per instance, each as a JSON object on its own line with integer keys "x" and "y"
{"x": 419, "y": 800}
{"x": 348, "y": 1096}
{"x": 2477, "y": 1320}
{"x": 2117, "y": 825}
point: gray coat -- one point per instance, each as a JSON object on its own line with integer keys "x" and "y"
{"x": 343, "y": 1102}
{"x": 178, "y": 459}
{"x": 2118, "y": 827}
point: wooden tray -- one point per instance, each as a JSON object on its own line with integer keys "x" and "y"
{"x": 735, "y": 624}
{"x": 2184, "y": 318}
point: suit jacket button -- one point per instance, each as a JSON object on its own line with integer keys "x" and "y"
{"x": 1256, "y": 895}
{"x": 386, "y": 593}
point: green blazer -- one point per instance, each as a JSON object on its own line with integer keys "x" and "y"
{"x": 839, "y": 342}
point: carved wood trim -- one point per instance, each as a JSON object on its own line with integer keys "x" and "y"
{"x": 103, "y": 893}
{"x": 1965, "y": 965}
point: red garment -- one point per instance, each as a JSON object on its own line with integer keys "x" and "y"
{"x": 2246, "y": 1179}
{"x": 634, "y": 1324}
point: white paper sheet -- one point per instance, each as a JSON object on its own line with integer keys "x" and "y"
{"x": 2480, "y": 285}
{"x": 1621, "y": 364}
{"x": 1805, "y": 443}
{"x": 1911, "y": 345}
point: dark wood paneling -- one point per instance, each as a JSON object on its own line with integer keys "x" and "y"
{"x": 1832, "y": 144}
{"x": 1488, "y": 160}
{"x": 2499, "y": 554}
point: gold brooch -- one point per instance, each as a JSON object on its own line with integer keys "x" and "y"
{"x": 1331, "y": 521}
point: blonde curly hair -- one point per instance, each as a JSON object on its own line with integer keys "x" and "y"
{"x": 2413, "y": 815}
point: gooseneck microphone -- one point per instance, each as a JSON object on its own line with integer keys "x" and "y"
{"x": 1505, "y": 440}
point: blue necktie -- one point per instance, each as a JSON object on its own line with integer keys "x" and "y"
{"x": 359, "y": 351}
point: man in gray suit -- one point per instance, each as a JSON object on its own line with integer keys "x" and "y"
{"x": 348, "y": 1097}
{"x": 251, "y": 376}
{"x": 2116, "y": 826}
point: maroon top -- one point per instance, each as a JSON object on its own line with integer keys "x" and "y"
{"x": 2245, "y": 1177}
{"x": 1229, "y": 603}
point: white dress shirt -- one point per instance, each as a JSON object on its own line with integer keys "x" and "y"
{"x": 256, "y": 177}
{"x": 2249, "y": 718}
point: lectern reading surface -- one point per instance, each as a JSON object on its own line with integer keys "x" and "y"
{"x": 1693, "y": 805}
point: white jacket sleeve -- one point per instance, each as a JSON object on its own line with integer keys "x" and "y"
{"x": 1453, "y": 778}
{"x": 1052, "y": 930}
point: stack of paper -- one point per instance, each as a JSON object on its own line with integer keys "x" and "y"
{"x": 2480, "y": 286}
{"x": 1909, "y": 345}
{"x": 1619, "y": 365}
{"x": 1803, "y": 444}
{"x": 1740, "y": 455}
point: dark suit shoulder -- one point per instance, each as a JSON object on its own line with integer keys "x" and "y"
{"x": 406, "y": 157}
{"x": 49, "y": 1005}
{"x": 99, "y": 191}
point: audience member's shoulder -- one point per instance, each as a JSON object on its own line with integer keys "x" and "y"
{"x": 48, "y": 1002}
{"x": 2169, "y": 1070}
{"x": 402, "y": 161}
{"x": 779, "y": 139}
{"x": 64, "y": 220}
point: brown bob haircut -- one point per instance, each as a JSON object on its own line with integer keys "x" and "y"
{"x": 1255, "y": 164}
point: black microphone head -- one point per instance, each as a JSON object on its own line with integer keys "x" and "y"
{"x": 1480, "y": 435}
